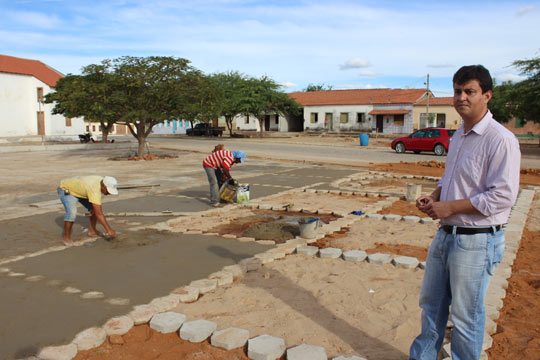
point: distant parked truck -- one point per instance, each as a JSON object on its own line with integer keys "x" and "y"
{"x": 205, "y": 129}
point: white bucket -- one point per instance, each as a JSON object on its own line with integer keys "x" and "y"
{"x": 308, "y": 227}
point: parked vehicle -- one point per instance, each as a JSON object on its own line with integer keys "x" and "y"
{"x": 205, "y": 129}
{"x": 84, "y": 138}
{"x": 428, "y": 139}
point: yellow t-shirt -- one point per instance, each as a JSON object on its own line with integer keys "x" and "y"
{"x": 86, "y": 187}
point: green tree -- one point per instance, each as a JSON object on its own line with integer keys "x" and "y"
{"x": 230, "y": 87}
{"x": 263, "y": 98}
{"x": 200, "y": 100}
{"x": 91, "y": 95}
{"x": 318, "y": 87}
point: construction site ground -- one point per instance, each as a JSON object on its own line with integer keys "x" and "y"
{"x": 282, "y": 299}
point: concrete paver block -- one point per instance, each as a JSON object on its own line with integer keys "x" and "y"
{"x": 355, "y": 255}
{"x": 165, "y": 303}
{"x": 236, "y": 270}
{"x": 63, "y": 352}
{"x": 167, "y": 322}
{"x": 90, "y": 338}
{"x": 306, "y": 352}
{"x": 245, "y": 239}
{"x": 204, "y": 285}
{"x": 265, "y": 242}
{"x": 141, "y": 314}
{"x": 187, "y": 294}
{"x": 375, "y": 216}
{"x": 93, "y": 295}
{"x": 266, "y": 347}
{"x": 222, "y": 277}
{"x": 379, "y": 258}
{"x": 427, "y": 220}
{"x": 265, "y": 207}
{"x": 307, "y": 250}
{"x": 34, "y": 278}
{"x": 197, "y": 330}
{"x": 265, "y": 258}
{"x": 405, "y": 262}
{"x": 118, "y": 325}
{"x": 71, "y": 290}
{"x": 228, "y": 236}
{"x": 413, "y": 219}
{"x": 349, "y": 358}
{"x": 330, "y": 253}
{"x": 392, "y": 217}
{"x": 118, "y": 301}
{"x": 230, "y": 338}
{"x": 251, "y": 264}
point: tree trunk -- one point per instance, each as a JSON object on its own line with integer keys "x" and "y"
{"x": 141, "y": 138}
{"x": 261, "y": 124}
{"x": 228, "y": 121}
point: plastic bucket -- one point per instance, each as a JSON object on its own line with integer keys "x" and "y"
{"x": 364, "y": 139}
{"x": 308, "y": 227}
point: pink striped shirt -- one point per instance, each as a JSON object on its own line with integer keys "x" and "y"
{"x": 482, "y": 166}
{"x": 219, "y": 159}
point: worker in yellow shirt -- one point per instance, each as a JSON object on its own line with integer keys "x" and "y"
{"x": 86, "y": 190}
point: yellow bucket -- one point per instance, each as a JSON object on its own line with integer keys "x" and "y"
{"x": 228, "y": 192}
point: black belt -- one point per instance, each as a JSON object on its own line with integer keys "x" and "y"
{"x": 449, "y": 229}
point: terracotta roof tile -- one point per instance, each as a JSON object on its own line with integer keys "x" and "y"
{"x": 35, "y": 68}
{"x": 389, "y": 112}
{"x": 357, "y": 97}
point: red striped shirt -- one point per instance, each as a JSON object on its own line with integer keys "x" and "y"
{"x": 219, "y": 159}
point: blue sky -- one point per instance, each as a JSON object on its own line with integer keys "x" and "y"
{"x": 345, "y": 44}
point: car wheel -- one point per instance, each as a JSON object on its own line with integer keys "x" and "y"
{"x": 400, "y": 148}
{"x": 439, "y": 150}
{"x": 417, "y": 151}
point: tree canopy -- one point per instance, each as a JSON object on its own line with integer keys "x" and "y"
{"x": 318, "y": 87}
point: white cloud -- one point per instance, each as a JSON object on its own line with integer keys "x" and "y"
{"x": 524, "y": 10}
{"x": 357, "y": 86}
{"x": 288, "y": 84}
{"x": 355, "y": 63}
{"x": 441, "y": 66}
{"x": 35, "y": 19}
{"x": 510, "y": 77}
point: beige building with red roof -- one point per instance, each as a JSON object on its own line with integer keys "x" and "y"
{"x": 382, "y": 110}
{"x": 23, "y": 85}
{"x": 442, "y": 114}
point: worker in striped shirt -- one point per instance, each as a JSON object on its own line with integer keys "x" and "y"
{"x": 223, "y": 160}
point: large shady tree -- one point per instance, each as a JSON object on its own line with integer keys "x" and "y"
{"x": 92, "y": 95}
{"x": 230, "y": 89}
{"x": 262, "y": 97}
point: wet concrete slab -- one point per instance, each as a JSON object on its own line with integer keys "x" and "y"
{"x": 320, "y": 171}
{"x": 36, "y": 315}
{"x": 139, "y": 266}
{"x": 159, "y": 203}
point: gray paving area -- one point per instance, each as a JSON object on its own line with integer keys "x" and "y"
{"x": 134, "y": 268}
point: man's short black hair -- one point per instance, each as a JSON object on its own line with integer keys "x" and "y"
{"x": 474, "y": 72}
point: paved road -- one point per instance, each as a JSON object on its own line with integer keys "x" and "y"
{"x": 340, "y": 152}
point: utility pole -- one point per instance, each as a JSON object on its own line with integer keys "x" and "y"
{"x": 427, "y": 93}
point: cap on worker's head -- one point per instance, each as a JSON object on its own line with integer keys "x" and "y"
{"x": 111, "y": 184}
{"x": 239, "y": 155}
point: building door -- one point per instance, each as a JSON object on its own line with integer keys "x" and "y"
{"x": 441, "y": 120}
{"x": 328, "y": 121}
{"x": 40, "y": 123}
{"x": 267, "y": 122}
{"x": 380, "y": 122}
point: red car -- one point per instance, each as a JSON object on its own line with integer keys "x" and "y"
{"x": 428, "y": 139}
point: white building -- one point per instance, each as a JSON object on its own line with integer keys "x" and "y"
{"x": 23, "y": 85}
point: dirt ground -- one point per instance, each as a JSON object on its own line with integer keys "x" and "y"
{"x": 288, "y": 296}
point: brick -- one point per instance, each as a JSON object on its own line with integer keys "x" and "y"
{"x": 306, "y": 352}
{"x": 307, "y": 250}
{"x": 93, "y": 295}
{"x": 265, "y": 347}
{"x": 355, "y": 255}
{"x": 90, "y": 338}
{"x": 230, "y": 338}
{"x": 222, "y": 277}
{"x": 141, "y": 314}
{"x": 375, "y": 216}
{"x": 349, "y": 358}
{"x": 251, "y": 263}
{"x": 197, "y": 330}
{"x": 235, "y": 270}
{"x": 413, "y": 219}
{"x": 392, "y": 217}
{"x": 63, "y": 352}
{"x": 405, "y": 262}
{"x": 427, "y": 220}
{"x": 204, "y": 285}
{"x": 167, "y": 322}
{"x": 118, "y": 325}
{"x": 379, "y": 258}
{"x": 187, "y": 294}
{"x": 165, "y": 303}
{"x": 330, "y": 253}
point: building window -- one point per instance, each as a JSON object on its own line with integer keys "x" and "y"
{"x": 40, "y": 94}
{"x": 360, "y": 117}
{"x": 519, "y": 123}
{"x": 93, "y": 127}
{"x": 344, "y": 118}
{"x": 314, "y": 117}
{"x": 247, "y": 119}
{"x": 277, "y": 119}
{"x": 398, "y": 119}
{"x": 68, "y": 121}
{"x": 87, "y": 128}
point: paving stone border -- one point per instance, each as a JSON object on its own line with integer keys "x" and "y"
{"x": 201, "y": 328}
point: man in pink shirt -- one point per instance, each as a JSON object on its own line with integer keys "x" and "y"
{"x": 473, "y": 200}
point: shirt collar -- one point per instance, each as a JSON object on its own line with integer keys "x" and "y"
{"x": 481, "y": 126}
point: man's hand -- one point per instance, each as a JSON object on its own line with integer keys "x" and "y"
{"x": 439, "y": 209}
{"x": 423, "y": 201}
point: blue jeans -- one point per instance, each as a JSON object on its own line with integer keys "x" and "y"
{"x": 212, "y": 180}
{"x": 70, "y": 204}
{"x": 458, "y": 270}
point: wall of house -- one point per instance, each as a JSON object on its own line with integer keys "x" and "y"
{"x": 453, "y": 120}
{"x": 171, "y": 127}
{"x": 518, "y": 128}
{"x": 390, "y": 126}
{"x": 19, "y": 106}
{"x": 335, "y": 123}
